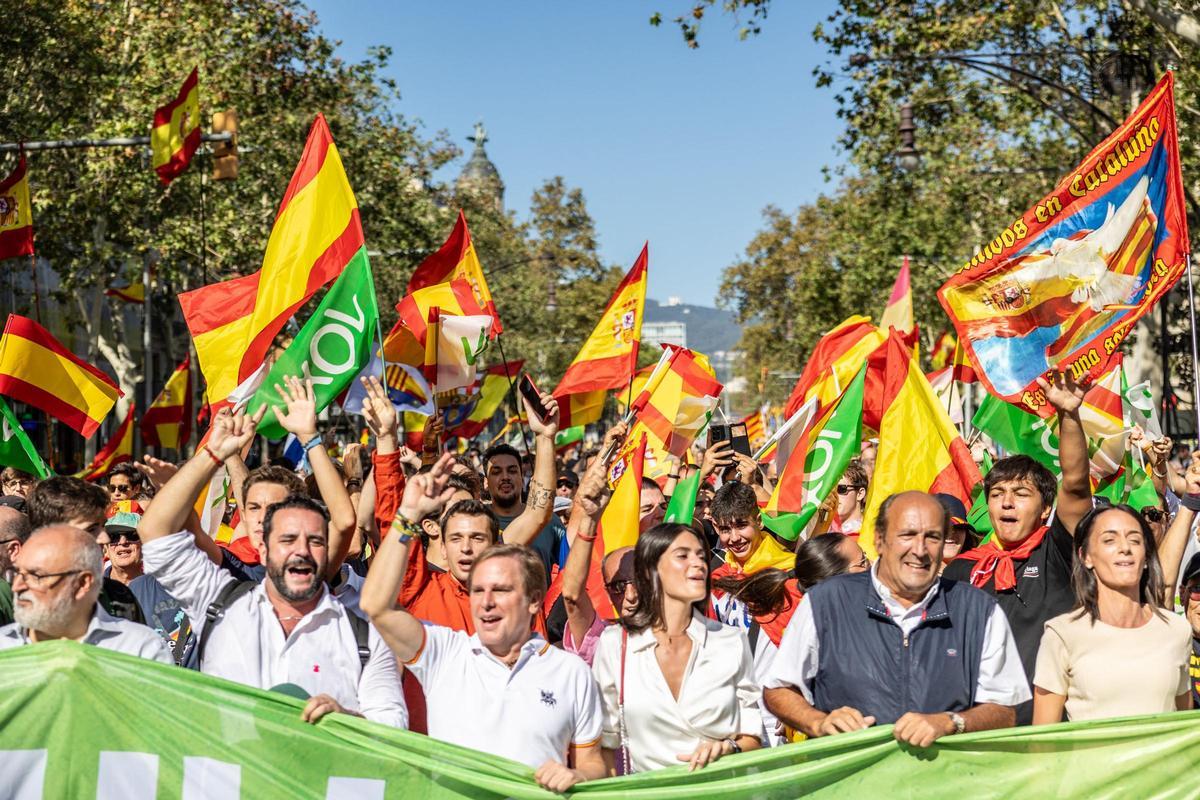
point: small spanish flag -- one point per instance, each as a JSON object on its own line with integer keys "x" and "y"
{"x": 36, "y": 369}
{"x": 899, "y": 311}
{"x": 176, "y": 132}
{"x": 168, "y": 420}
{"x": 133, "y": 293}
{"x": 118, "y": 450}
{"x": 16, "y": 214}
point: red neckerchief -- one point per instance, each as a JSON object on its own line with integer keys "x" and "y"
{"x": 992, "y": 558}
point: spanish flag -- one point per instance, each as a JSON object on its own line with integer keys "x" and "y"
{"x": 608, "y": 359}
{"x": 118, "y": 449}
{"x": 677, "y": 403}
{"x": 919, "y": 447}
{"x": 834, "y": 361}
{"x": 456, "y": 260}
{"x": 133, "y": 293}
{"x": 175, "y": 135}
{"x": 168, "y": 420}
{"x": 619, "y": 524}
{"x": 899, "y": 311}
{"x": 317, "y": 232}
{"x": 943, "y": 351}
{"x": 493, "y": 388}
{"x": 36, "y": 369}
{"x": 16, "y": 214}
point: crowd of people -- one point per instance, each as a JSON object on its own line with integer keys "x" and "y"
{"x": 422, "y": 589}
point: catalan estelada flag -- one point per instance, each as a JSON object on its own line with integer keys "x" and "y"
{"x": 919, "y": 447}
{"x": 469, "y": 418}
{"x": 834, "y": 361}
{"x": 118, "y": 449}
{"x": 317, "y": 233}
{"x": 175, "y": 135}
{"x": 16, "y": 214}
{"x": 457, "y": 260}
{"x": 36, "y": 369}
{"x": 608, "y": 358}
{"x": 1061, "y": 286}
{"x": 899, "y": 311}
{"x": 676, "y": 404}
{"x": 756, "y": 431}
{"x": 168, "y": 420}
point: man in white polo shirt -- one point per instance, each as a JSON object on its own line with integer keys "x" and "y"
{"x": 287, "y": 629}
{"x": 56, "y": 585}
{"x": 503, "y": 690}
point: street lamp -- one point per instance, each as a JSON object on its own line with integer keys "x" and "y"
{"x": 908, "y": 156}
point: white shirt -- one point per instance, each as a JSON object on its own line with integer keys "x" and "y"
{"x": 1001, "y": 677}
{"x": 531, "y": 713}
{"x": 718, "y": 698}
{"x": 107, "y": 631}
{"x": 248, "y": 645}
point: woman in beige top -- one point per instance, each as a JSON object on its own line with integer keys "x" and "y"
{"x": 1119, "y": 653}
{"x": 676, "y": 687}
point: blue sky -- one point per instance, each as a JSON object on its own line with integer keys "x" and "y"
{"x": 681, "y": 147}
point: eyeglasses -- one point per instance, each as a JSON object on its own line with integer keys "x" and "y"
{"x": 617, "y": 586}
{"x": 1154, "y": 514}
{"x": 847, "y": 489}
{"x": 37, "y": 580}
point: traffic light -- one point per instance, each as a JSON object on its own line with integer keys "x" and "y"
{"x": 225, "y": 155}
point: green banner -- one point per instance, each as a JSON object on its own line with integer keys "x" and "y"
{"x": 332, "y": 347}
{"x": 682, "y": 507}
{"x": 81, "y": 722}
{"x": 1018, "y": 432}
{"x": 16, "y": 450}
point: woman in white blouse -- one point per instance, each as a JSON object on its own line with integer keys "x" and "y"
{"x": 676, "y": 687}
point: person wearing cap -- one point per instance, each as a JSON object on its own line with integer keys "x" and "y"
{"x": 123, "y": 549}
{"x": 56, "y": 586}
{"x": 962, "y": 536}
{"x": 898, "y": 644}
{"x": 287, "y": 628}
{"x": 502, "y": 689}
{"x": 562, "y": 508}
{"x": 568, "y": 483}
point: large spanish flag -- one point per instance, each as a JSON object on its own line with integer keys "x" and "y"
{"x": 834, "y": 361}
{"x": 457, "y": 260}
{"x": 16, "y": 214}
{"x": 317, "y": 233}
{"x": 36, "y": 369}
{"x": 168, "y": 420}
{"x": 620, "y": 522}
{"x": 919, "y": 447}
{"x": 608, "y": 358}
{"x": 117, "y": 450}
{"x": 175, "y": 135}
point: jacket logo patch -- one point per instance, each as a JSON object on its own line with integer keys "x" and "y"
{"x": 1030, "y": 572}
{"x": 952, "y": 652}
{"x": 548, "y": 698}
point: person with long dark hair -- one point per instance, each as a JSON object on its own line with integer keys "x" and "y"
{"x": 676, "y": 686}
{"x": 1117, "y": 653}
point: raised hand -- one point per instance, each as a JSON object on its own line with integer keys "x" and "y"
{"x": 156, "y": 470}
{"x": 746, "y": 467}
{"x": 547, "y": 425}
{"x": 1064, "y": 393}
{"x": 233, "y": 431}
{"x": 352, "y": 462}
{"x": 1192, "y": 476}
{"x": 718, "y": 456}
{"x": 377, "y": 409}
{"x": 299, "y": 416}
{"x": 426, "y": 492}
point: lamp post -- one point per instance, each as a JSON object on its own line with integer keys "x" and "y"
{"x": 908, "y": 156}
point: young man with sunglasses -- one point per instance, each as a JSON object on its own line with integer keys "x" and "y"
{"x": 56, "y": 585}
{"x": 851, "y": 499}
{"x": 125, "y": 482}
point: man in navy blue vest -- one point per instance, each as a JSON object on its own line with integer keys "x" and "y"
{"x": 898, "y": 644}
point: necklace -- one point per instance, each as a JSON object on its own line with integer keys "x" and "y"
{"x": 286, "y": 619}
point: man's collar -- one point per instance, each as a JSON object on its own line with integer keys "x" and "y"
{"x": 101, "y": 621}
{"x": 885, "y": 594}
{"x": 696, "y": 630}
{"x": 325, "y": 599}
{"x": 535, "y": 645}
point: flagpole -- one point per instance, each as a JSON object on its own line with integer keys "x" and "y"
{"x": 511, "y": 388}
{"x": 1195, "y": 350}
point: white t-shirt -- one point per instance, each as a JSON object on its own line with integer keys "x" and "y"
{"x": 1105, "y": 671}
{"x": 531, "y": 713}
{"x": 248, "y": 645}
{"x": 718, "y": 698}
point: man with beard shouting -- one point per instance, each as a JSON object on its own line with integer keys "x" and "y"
{"x": 287, "y": 630}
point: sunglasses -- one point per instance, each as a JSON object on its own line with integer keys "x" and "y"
{"x": 847, "y": 489}
{"x": 617, "y": 586}
{"x": 120, "y": 487}
{"x": 1191, "y": 592}
{"x": 127, "y": 538}
{"x": 1154, "y": 514}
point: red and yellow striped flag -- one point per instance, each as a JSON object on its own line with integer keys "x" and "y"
{"x": 943, "y": 351}
{"x": 36, "y": 369}
{"x": 457, "y": 260}
{"x": 175, "y": 135}
{"x": 582, "y": 408}
{"x": 834, "y": 362}
{"x": 317, "y": 233}
{"x": 676, "y": 406}
{"x": 118, "y": 449}
{"x": 16, "y": 214}
{"x": 168, "y": 420}
{"x": 619, "y": 524}
{"x": 133, "y": 293}
{"x": 756, "y": 431}
{"x": 899, "y": 311}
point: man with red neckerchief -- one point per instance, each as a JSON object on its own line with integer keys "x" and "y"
{"x": 1026, "y": 565}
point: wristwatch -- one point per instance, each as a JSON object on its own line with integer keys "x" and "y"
{"x": 960, "y": 724}
{"x": 737, "y": 748}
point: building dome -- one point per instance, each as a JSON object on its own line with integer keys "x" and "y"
{"x": 480, "y": 175}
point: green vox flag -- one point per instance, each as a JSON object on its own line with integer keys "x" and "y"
{"x": 16, "y": 450}
{"x": 569, "y": 436}
{"x": 174, "y": 733}
{"x": 827, "y": 447}
{"x": 682, "y": 507}
{"x": 332, "y": 347}
{"x": 978, "y": 517}
{"x": 1018, "y": 432}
